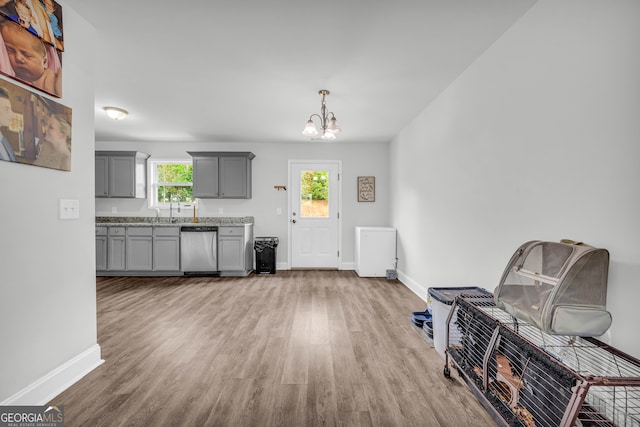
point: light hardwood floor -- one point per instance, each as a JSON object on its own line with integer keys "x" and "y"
{"x": 299, "y": 348}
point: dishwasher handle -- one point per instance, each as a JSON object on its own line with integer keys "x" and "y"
{"x": 198, "y": 229}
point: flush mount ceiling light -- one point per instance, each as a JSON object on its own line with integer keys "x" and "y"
{"x": 328, "y": 125}
{"x": 116, "y": 113}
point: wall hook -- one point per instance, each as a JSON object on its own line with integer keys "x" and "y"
{"x": 280, "y": 187}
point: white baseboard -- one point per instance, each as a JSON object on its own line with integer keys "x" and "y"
{"x": 415, "y": 287}
{"x": 46, "y": 388}
{"x": 348, "y": 266}
{"x": 282, "y": 266}
{"x": 344, "y": 266}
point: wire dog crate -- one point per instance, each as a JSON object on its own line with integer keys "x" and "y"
{"x": 525, "y": 376}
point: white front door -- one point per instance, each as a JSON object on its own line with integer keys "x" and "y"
{"x": 314, "y": 223}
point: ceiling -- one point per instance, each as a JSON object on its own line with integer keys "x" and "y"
{"x": 250, "y": 71}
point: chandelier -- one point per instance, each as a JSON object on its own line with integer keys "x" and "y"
{"x": 328, "y": 125}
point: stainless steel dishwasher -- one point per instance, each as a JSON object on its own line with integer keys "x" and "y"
{"x": 198, "y": 250}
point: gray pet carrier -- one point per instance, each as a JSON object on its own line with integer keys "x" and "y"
{"x": 559, "y": 287}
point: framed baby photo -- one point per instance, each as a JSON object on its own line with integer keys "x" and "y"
{"x": 34, "y": 130}
{"x": 28, "y": 59}
{"x": 42, "y": 18}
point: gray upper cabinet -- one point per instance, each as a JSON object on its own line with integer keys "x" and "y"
{"x": 121, "y": 174}
{"x": 235, "y": 177}
{"x": 222, "y": 174}
{"x": 205, "y": 177}
{"x": 102, "y": 176}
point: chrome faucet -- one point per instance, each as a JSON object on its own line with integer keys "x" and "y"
{"x": 171, "y": 218}
{"x": 157, "y": 214}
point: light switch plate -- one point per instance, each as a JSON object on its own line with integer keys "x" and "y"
{"x": 69, "y": 209}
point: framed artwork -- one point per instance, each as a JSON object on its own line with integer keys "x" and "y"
{"x": 42, "y": 18}
{"x": 26, "y": 58}
{"x": 366, "y": 188}
{"x": 34, "y": 130}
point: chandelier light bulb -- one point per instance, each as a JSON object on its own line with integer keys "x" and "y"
{"x": 327, "y": 135}
{"x": 333, "y": 126}
{"x": 310, "y": 129}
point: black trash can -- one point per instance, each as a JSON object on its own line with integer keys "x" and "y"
{"x": 265, "y": 248}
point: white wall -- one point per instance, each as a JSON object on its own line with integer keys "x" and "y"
{"x": 538, "y": 139}
{"x": 269, "y": 168}
{"x": 47, "y": 265}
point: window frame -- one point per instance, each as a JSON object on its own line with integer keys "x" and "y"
{"x": 153, "y": 184}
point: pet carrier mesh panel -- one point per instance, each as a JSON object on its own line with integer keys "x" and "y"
{"x": 526, "y": 377}
{"x": 559, "y": 287}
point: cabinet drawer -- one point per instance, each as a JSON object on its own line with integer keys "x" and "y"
{"x": 101, "y": 231}
{"x": 230, "y": 231}
{"x": 166, "y": 231}
{"x": 139, "y": 231}
{"x": 116, "y": 231}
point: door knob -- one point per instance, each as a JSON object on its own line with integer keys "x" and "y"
{"x": 293, "y": 221}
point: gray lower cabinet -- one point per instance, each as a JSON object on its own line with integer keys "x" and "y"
{"x": 166, "y": 248}
{"x": 230, "y": 249}
{"x": 235, "y": 251}
{"x": 116, "y": 248}
{"x": 139, "y": 248}
{"x": 101, "y": 248}
{"x": 155, "y": 250}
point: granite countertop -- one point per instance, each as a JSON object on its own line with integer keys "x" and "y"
{"x": 143, "y": 221}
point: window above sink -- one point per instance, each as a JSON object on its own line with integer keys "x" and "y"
{"x": 171, "y": 181}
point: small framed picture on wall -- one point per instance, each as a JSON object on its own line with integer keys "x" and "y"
{"x": 366, "y": 188}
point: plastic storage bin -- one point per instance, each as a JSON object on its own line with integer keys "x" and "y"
{"x": 265, "y": 248}
{"x": 441, "y": 301}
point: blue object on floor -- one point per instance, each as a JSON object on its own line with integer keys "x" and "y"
{"x": 419, "y": 317}
{"x": 428, "y": 328}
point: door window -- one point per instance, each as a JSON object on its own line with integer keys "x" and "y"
{"x": 314, "y": 194}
